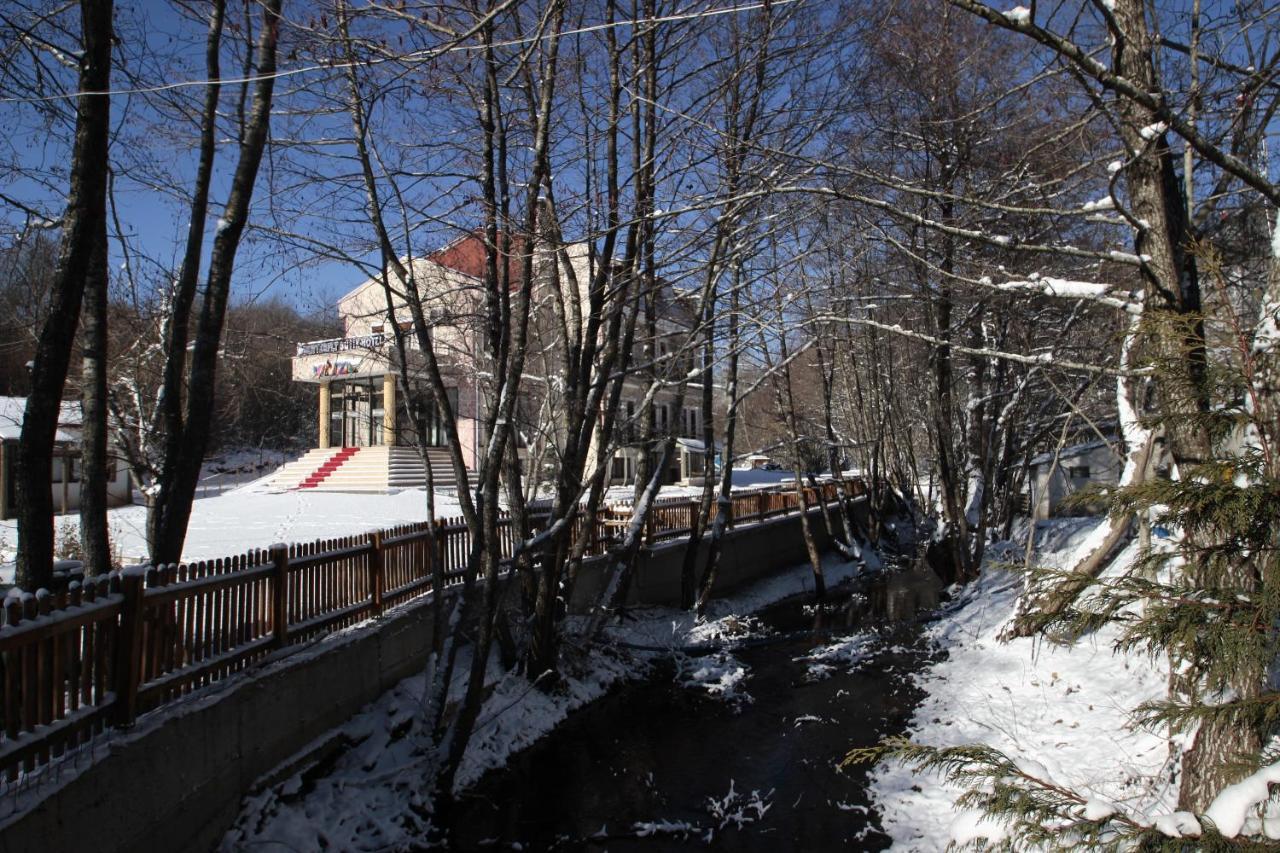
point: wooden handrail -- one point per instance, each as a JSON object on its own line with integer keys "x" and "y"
{"x": 132, "y": 641}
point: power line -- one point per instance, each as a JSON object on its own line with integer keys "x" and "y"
{"x": 413, "y": 57}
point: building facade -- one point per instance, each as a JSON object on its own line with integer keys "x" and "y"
{"x": 1058, "y": 479}
{"x": 66, "y": 476}
{"x": 361, "y": 377}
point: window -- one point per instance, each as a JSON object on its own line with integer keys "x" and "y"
{"x": 69, "y": 464}
{"x": 1078, "y": 472}
{"x": 691, "y": 423}
{"x": 619, "y": 472}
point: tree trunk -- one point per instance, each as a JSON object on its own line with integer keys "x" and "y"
{"x": 725, "y": 499}
{"x": 181, "y": 471}
{"x": 169, "y": 415}
{"x": 83, "y": 222}
{"x": 787, "y": 404}
{"x": 93, "y": 395}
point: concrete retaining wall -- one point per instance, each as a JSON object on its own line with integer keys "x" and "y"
{"x": 176, "y": 781}
{"x": 748, "y": 553}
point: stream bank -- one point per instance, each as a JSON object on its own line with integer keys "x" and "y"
{"x": 738, "y": 749}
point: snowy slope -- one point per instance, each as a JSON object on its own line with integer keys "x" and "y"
{"x": 369, "y": 797}
{"x": 1064, "y": 707}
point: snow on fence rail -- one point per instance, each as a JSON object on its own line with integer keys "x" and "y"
{"x": 99, "y": 653}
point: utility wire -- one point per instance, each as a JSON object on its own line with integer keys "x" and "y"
{"x": 418, "y": 56}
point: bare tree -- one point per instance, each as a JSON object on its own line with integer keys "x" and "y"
{"x": 81, "y": 254}
{"x": 185, "y": 449}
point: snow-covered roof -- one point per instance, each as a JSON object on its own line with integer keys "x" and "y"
{"x": 693, "y": 444}
{"x": 12, "y": 410}
{"x": 1069, "y": 452}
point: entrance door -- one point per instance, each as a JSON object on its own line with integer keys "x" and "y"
{"x": 359, "y": 403}
{"x": 355, "y": 431}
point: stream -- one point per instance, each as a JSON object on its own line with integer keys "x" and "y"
{"x": 660, "y": 766}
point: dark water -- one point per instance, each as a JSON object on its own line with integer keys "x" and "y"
{"x": 656, "y": 751}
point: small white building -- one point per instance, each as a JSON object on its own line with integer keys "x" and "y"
{"x": 65, "y": 483}
{"x": 1055, "y": 477}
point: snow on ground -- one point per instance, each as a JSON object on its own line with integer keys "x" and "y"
{"x": 1065, "y": 707}
{"x": 234, "y": 512}
{"x": 720, "y": 675}
{"x": 848, "y": 653}
{"x": 743, "y": 478}
{"x": 368, "y": 796}
{"x": 668, "y": 630}
{"x": 248, "y": 517}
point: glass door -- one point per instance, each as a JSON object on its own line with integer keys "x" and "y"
{"x": 361, "y": 407}
{"x": 435, "y": 432}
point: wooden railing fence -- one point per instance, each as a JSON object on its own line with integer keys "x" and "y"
{"x": 103, "y": 651}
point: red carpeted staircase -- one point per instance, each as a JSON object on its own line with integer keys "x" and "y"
{"x": 335, "y": 461}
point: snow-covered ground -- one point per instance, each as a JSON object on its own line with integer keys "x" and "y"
{"x": 248, "y": 517}
{"x": 234, "y": 512}
{"x": 1064, "y": 707}
{"x": 369, "y": 796}
{"x": 743, "y": 478}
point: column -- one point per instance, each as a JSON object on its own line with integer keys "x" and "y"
{"x": 324, "y": 415}
{"x": 4, "y": 482}
{"x": 389, "y": 409}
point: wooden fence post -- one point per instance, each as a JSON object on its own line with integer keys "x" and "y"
{"x": 279, "y": 591}
{"x": 129, "y": 653}
{"x": 13, "y": 678}
{"x": 760, "y": 501}
{"x": 427, "y": 556}
{"x": 376, "y": 572}
{"x": 440, "y": 553}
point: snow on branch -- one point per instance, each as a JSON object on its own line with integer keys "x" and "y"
{"x": 1068, "y": 289}
{"x": 1155, "y": 101}
{"x": 1004, "y": 241}
{"x": 1235, "y": 804}
{"x": 1042, "y": 359}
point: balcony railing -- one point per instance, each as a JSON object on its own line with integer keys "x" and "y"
{"x": 366, "y": 342}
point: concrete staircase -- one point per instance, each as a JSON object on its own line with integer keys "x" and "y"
{"x": 405, "y": 470}
{"x": 291, "y": 474}
{"x": 364, "y": 469}
{"x": 332, "y": 464}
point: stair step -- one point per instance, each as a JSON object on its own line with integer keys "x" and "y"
{"x": 366, "y": 469}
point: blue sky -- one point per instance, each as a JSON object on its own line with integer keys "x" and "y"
{"x": 146, "y": 148}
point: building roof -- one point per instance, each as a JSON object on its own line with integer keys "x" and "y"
{"x": 463, "y": 254}
{"x": 467, "y": 255}
{"x": 1070, "y": 452}
{"x": 12, "y": 410}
